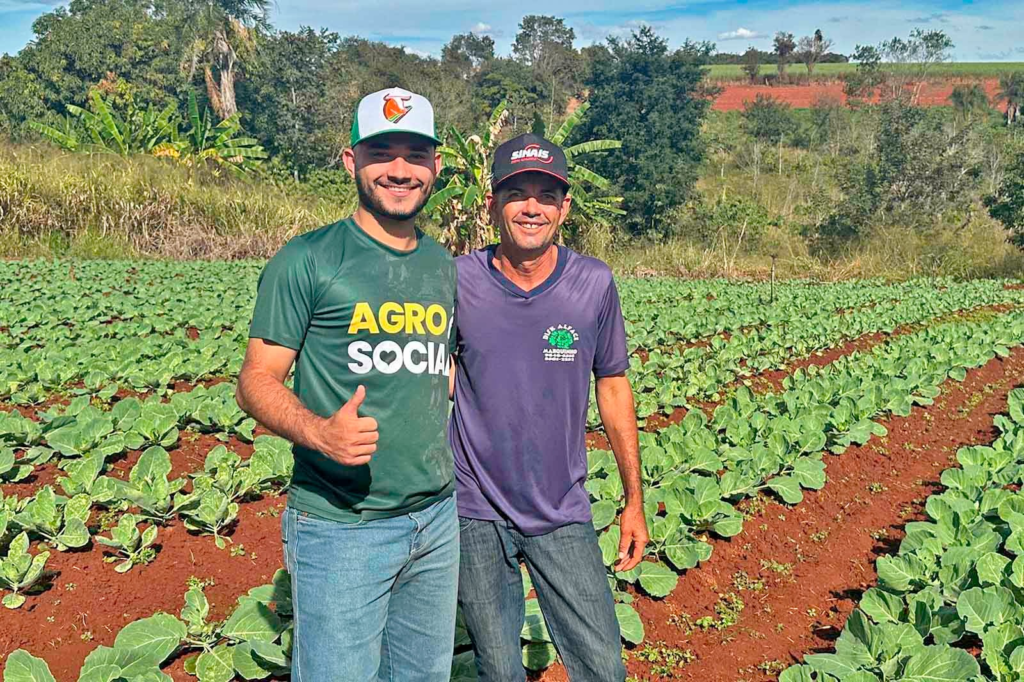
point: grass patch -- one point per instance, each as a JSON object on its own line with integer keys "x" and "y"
{"x": 104, "y": 206}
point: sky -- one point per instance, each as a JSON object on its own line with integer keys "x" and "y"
{"x": 983, "y": 30}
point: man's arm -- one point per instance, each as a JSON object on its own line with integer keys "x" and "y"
{"x": 615, "y": 403}
{"x": 451, "y": 377}
{"x": 344, "y": 437}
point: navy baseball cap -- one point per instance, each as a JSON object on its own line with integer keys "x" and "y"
{"x": 528, "y": 153}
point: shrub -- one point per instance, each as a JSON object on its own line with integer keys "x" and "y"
{"x": 1007, "y": 204}
{"x": 768, "y": 119}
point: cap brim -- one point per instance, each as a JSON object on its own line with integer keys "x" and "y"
{"x": 556, "y": 176}
{"x": 418, "y": 133}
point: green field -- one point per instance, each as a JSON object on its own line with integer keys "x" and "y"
{"x": 119, "y": 433}
{"x": 827, "y": 71}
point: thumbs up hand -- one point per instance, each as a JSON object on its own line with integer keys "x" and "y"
{"x": 348, "y": 438}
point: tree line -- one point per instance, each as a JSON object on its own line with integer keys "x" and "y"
{"x": 100, "y": 68}
{"x": 295, "y": 91}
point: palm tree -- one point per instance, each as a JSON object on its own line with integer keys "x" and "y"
{"x": 968, "y": 100}
{"x": 1011, "y": 89}
{"x": 224, "y": 38}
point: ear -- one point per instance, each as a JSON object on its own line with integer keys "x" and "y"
{"x": 348, "y": 157}
{"x": 493, "y": 208}
{"x": 438, "y": 163}
{"x": 566, "y": 205}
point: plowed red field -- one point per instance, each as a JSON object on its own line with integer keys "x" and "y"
{"x": 802, "y": 96}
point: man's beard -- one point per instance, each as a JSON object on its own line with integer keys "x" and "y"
{"x": 373, "y": 204}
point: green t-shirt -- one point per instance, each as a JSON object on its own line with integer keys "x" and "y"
{"x": 359, "y": 312}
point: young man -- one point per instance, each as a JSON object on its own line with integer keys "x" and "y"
{"x": 364, "y": 309}
{"x": 535, "y": 321}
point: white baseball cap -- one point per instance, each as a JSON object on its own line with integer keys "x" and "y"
{"x": 393, "y": 111}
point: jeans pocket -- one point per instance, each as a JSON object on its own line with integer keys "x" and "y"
{"x": 318, "y": 523}
{"x": 287, "y": 535}
{"x": 465, "y": 523}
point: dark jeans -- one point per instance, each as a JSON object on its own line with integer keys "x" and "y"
{"x": 572, "y": 588}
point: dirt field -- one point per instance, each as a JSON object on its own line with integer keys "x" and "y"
{"x": 801, "y": 96}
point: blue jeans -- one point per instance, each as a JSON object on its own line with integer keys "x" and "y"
{"x": 572, "y": 588}
{"x": 375, "y": 600}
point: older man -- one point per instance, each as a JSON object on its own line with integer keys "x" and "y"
{"x": 363, "y": 309}
{"x": 535, "y": 321}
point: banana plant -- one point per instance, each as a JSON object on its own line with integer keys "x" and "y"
{"x": 584, "y": 184}
{"x": 461, "y": 205}
{"x": 218, "y": 144}
{"x": 138, "y": 131}
{"x": 158, "y": 133}
{"x": 65, "y": 137}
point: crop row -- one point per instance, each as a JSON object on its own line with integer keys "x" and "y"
{"x": 89, "y": 424}
{"x": 253, "y": 642}
{"x": 696, "y": 472}
{"x": 206, "y": 502}
{"x": 957, "y": 579}
{"x": 95, "y": 328}
{"x": 665, "y": 312}
{"x": 89, "y": 326}
{"x": 670, "y": 378}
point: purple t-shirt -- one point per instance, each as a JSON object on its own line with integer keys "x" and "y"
{"x": 523, "y": 386}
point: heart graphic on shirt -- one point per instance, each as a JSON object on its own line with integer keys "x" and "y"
{"x": 388, "y": 356}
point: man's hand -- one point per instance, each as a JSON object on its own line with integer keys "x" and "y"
{"x": 348, "y": 438}
{"x": 633, "y": 541}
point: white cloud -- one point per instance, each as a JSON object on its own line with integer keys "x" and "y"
{"x": 482, "y": 29}
{"x": 419, "y": 53}
{"x": 740, "y": 34}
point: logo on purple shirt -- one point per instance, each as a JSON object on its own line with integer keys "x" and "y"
{"x": 560, "y": 338}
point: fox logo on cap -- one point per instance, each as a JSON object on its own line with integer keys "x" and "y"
{"x": 394, "y": 107}
{"x": 531, "y": 151}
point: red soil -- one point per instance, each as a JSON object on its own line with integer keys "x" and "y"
{"x": 89, "y": 603}
{"x": 85, "y": 595}
{"x": 735, "y": 95}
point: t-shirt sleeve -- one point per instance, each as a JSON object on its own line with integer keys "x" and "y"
{"x": 611, "y": 356}
{"x": 285, "y": 297}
